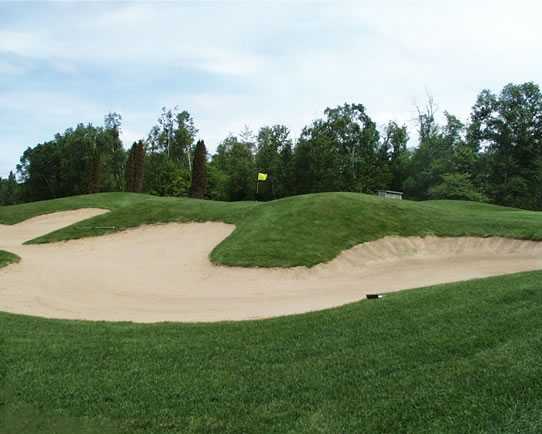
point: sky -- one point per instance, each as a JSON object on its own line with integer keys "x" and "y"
{"x": 233, "y": 64}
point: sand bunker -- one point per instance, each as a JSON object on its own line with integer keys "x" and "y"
{"x": 162, "y": 273}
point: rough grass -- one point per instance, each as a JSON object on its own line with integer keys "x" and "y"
{"x": 7, "y": 258}
{"x": 301, "y": 230}
{"x": 454, "y": 358}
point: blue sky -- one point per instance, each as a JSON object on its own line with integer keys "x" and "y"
{"x": 237, "y": 63}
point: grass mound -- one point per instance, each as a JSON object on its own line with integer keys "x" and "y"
{"x": 301, "y": 230}
{"x": 7, "y": 258}
{"x": 461, "y": 357}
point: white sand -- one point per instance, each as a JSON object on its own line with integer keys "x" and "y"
{"x": 162, "y": 273}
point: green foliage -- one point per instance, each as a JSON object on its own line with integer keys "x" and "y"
{"x": 139, "y": 166}
{"x": 234, "y": 159}
{"x": 462, "y": 357}
{"x": 282, "y": 232}
{"x": 341, "y": 153}
{"x": 510, "y": 127}
{"x": 130, "y": 170}
{"x": 274, "y": 156}
{"x": 198, "y": 188}
{"x": 456, "y": 186}
{"x": 113, "y": 172}
{"x": 94, "y": 171}
{"x": 217, "y": 183}
{"x": 394, "y": 147}
{"x": 10, "y": 190}
{"x": 443, "y": 151}
{"x": 497, "y": 155}
{"x": 164, "y": 177}
{"x": 168, "y": 164}
{"x": 135, "y": 168}
{"x": 173, "y": 136}
{"x": 84, "y": 159}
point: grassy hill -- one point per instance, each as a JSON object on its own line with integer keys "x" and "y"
{"x": 455, "y": 358}
{"x": 301, "y": 230}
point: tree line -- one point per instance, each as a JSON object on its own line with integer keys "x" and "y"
{"x": 495, "y": 157}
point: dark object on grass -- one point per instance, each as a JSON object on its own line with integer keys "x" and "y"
{"x": 374, "y": 296}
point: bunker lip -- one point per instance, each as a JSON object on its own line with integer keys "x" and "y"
{"x": 163, "y": 273}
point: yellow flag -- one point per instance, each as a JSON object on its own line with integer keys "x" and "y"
{"x": 262, "y": 176}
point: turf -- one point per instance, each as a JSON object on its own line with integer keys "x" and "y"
{"x": 453, "y": 358}
{"x": 7, "y": 258}
{"x": 301, "y": 230}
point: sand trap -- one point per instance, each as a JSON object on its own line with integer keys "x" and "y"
{"x": 162, "y": 273}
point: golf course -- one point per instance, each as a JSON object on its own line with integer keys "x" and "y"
{"x": 425, "y": 360}
{"x": 270, "y": 217}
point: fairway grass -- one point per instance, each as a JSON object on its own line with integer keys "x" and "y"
{"x": 454, "y": 358}
{"x": 301, "y": 230}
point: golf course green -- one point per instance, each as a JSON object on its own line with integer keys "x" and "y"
{"x": 462, "y": 357}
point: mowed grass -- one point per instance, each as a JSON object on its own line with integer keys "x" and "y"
{"x": 462, "y": 357}
{"x": 7, "y": 258}
{"x": 300, "y": 230}
{"x": 454, "y": 358}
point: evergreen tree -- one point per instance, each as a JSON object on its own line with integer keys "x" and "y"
{"x": 95, "y": 172}
{"x": 130, "y": 170}
{"x": 9, "y": 190}
{"x": 198, "y": 188}
{"x": 139, "y": 166}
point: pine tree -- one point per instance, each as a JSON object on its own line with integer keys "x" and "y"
{"x": 95, "y": 172}
{"x": 130, "y": 168}
{"x": 139, "y": 166}
{"x": 11, "y": 190}
{"x": 198, "y": 188}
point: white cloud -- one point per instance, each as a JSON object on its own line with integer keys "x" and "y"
{"x": 7, "y": 68}
{"x": 140, "y": 33}
{"x": 20, "y": 43}
{"x": 280, "y": 62}
{"x": 129, "y": 136}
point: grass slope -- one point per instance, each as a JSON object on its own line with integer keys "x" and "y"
{"x": 301, "y": 230}
{"x": 454, "y": 358}
{"x": 7, "y": 258}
